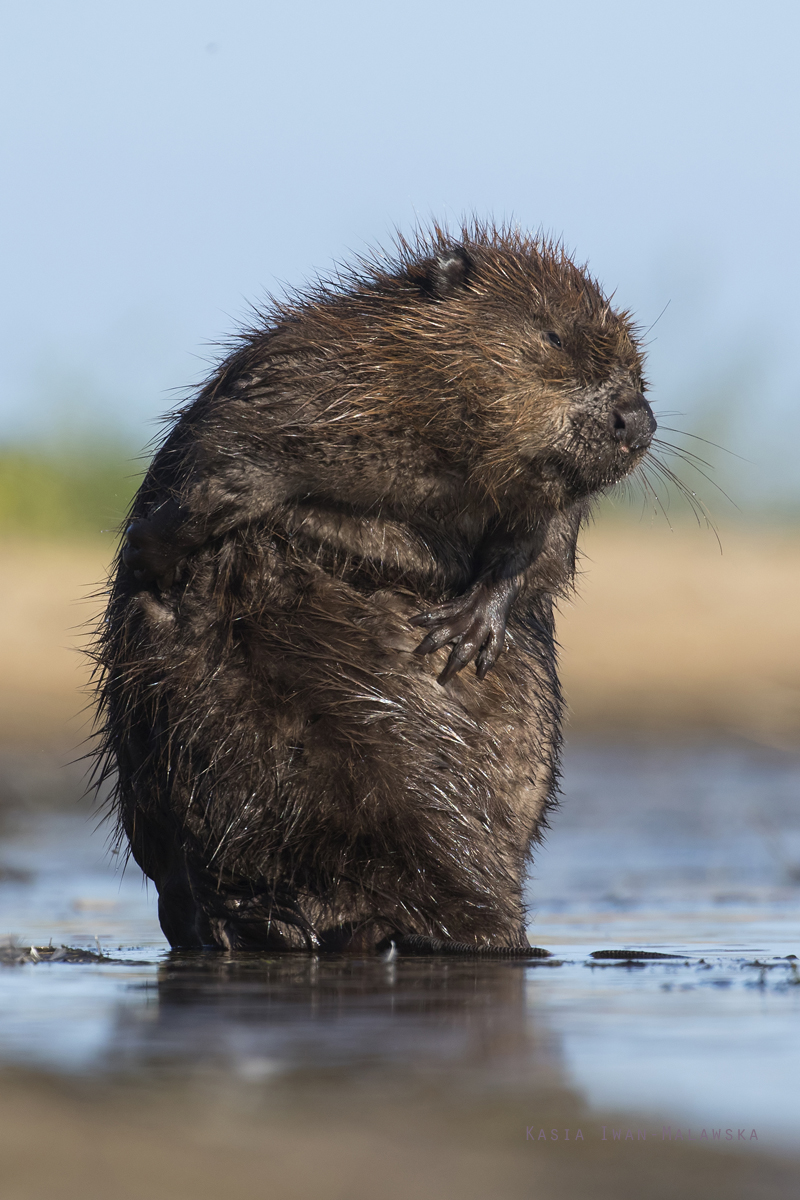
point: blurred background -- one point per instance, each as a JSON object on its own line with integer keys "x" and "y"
{"x": 167, "y": 165}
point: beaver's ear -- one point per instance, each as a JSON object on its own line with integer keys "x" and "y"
{"x": 448, "y": 272}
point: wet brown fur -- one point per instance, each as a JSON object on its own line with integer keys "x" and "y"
{"x": 286, "y": 768}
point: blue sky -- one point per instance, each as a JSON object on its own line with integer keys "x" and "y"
{"x": 166, "y": 163}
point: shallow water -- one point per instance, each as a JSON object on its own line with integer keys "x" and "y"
{"x": 693, "y": 852}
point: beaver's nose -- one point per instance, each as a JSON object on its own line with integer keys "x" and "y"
{"x": 632, "y": 422}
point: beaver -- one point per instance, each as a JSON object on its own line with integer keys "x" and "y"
{"x": 410, "y": 446}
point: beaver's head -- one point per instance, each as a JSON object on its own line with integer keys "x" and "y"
{"x": 543, "y": 377}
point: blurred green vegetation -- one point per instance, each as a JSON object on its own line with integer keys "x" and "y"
{"x": 70, "y": 493}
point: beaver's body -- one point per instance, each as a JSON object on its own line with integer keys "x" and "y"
{"x": 419, "y": 444}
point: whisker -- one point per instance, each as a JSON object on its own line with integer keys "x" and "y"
{"x": 663, "y": 472}
{"x": 656, "y": 497}
{"x": 632, "y": 488}
{"x": 698, "y": 512}
{"x": 697, "y": 438}
{"x": 658, "y": 318}
{"x": 695, "y": 503}
{"x": 682, "y": 452}
{"x": 691, "y": 460}
{"x": 713, "y": 482}
{"x": 649, "y": 487}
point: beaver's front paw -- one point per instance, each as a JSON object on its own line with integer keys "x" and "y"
{"x": 476, "y": 623}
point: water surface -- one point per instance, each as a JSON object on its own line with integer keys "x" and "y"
{"x": 694, "y": 852}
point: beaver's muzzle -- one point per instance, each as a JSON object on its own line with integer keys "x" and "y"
{"x": 632, "y": 422}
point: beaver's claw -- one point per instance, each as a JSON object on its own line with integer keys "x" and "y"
{"x": 476, "y": 623}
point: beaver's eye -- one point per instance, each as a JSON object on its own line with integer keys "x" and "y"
{"x": 554, "y": 338}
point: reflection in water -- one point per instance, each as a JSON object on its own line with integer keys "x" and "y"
{"x": 282, "y": 1015}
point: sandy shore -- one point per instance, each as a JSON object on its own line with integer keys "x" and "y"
{"x": 673, "y": 632}
{"x": 45, "y": 604}
{"x": 666, "y": 633}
